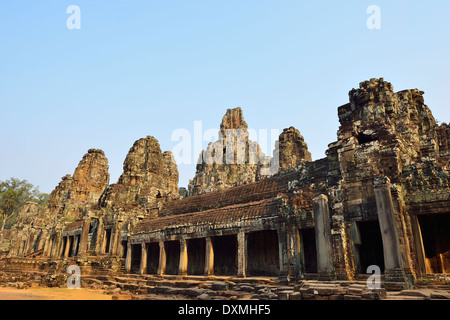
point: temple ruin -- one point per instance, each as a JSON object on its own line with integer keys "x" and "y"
{"x": 379, "y": 197}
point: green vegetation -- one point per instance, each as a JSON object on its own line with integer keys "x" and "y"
{"x": 14, "y": 193}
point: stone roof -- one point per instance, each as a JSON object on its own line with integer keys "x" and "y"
{"x": 229, "y": 214}
{"x": 255, "y": 191}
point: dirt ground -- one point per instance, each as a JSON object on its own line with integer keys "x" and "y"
{"x": 52, "y": 294}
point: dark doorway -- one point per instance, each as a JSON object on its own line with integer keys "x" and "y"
{"x": 152, "y": 257}
{"x": 371, "y": 248}
{"x": 108, "y": 240}
{"x": 196, "y": 256}
{"x": 136, "y": 252}
{"x": 435, "y": 231}
{"x": 225, "y": 255}
{"x": 263, "y": 253}
{"x": 308, "y": 247}
{"x": 172, "y": 256}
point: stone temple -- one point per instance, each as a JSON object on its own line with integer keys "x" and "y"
{"x": 379, "y": 197}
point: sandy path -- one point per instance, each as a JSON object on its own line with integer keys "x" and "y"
{"x": 52, "y": 294}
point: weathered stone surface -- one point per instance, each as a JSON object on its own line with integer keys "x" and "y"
{"x": 75, "y": 194}
{"x": 148, "y": 176}
{"x": 231, "y": 160}
{"x": 292, "y": 149}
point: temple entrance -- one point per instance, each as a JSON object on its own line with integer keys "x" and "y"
{"x": 152, "y": 257}
{"x": 435, "y": 230}
{"x": 172, "y": 256}
{"x": 370, "y": 246}
{"x": 262, "y": 253}
{"x": 308, "y": 248}
{"x": 225, "y": 255}
{"x": 196, "y": 256}
{"x": 136, "y": 252}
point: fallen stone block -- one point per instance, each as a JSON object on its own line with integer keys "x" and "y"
{"x": 285, "y": 294}
{"x": 219, "y": 285}
{"x": 295, "y": 296}
{"x": 308, "y": 296}
{"x": 246, "y": 288}
{"x": 161, "y": 289}
{"x": 192, "y": 291}
{"x": 204, "y": 296}
{"x": 325, "y": 290}
{"x": 414, "y": 293}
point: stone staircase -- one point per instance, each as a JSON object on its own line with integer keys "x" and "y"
{"x": 184, "y": 287}
{"x": 152, "y": 287}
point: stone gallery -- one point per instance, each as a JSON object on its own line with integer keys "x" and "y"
{"x": 380, "y": 197}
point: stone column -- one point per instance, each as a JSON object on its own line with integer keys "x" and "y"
{"x": 42, "y": 241}
{"x": 75, "y": 245}
{"x": 209, "y": 257}
{"x": 66, "y": 249}
{"x": 294, "y": 251}
{"x": 58, "y": 242}
{"x": 115, "y": 240}
{"x": 325, "y": 261}
{"x": 29, "y": 243}
{"x": 19, "y": 246}
{"x": 111, "y": 240}
{"x": 162, "y": 259}
{"x": 59, "y": 252}
{"x": 98, "y": 242}
{"x": 47, "y": 243}
{"x": 182, "y": 269}
{"x": 283, "y": 257}
{"x": 103, "y": 246}
{"x": 386, "y": 217}
{"x": 128, "y": 258}
{"x": 85, "y": 234}
{"x": 143, "y": 266}
{"x": 241, "y": 253}
{"x": 51, "y": 247}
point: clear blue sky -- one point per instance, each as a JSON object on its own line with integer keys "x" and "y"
{"x": 138, "y": 68}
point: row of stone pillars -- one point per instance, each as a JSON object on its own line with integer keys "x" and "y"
{"x": 183, "y": 258}
{"x": 71, "y": 246}
{"x": 106, "y": 242}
